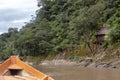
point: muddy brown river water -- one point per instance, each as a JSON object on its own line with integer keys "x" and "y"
{"x": 63, "y": 72}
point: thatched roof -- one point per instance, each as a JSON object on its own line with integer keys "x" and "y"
{"x": 103, "y": 30}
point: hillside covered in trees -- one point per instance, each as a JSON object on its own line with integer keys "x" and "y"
{"x": 64, "y": 26}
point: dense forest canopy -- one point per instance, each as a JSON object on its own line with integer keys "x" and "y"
{"x": 63, "y": 25}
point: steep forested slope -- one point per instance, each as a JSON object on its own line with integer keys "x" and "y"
{"x": 63, "y": 25}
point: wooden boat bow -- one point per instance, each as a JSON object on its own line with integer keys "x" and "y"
{"x": 15, "y": 69}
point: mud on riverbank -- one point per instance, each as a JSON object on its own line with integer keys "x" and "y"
{"x": 86, "y": 62}
{"x": 109, "y": 58}
{"x": 96, "y": 61}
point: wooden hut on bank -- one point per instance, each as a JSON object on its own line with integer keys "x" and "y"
{"x": 101, "y": 35}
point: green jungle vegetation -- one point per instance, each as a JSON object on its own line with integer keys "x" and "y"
{"x": 63, "y": 26}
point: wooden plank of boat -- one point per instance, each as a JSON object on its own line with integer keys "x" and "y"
{"x": 18, "y": 78}
{"x": 15, "y": 69}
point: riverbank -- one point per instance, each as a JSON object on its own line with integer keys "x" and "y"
{"x": 58, "y": 62}
{"x": 109, "y": 58}
{"x": 89, "y": 62}
{"x": 101, "y": 64}
{"x": 85, "y": 62}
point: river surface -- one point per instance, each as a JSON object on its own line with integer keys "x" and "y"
{"x": 63, "y": 72}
